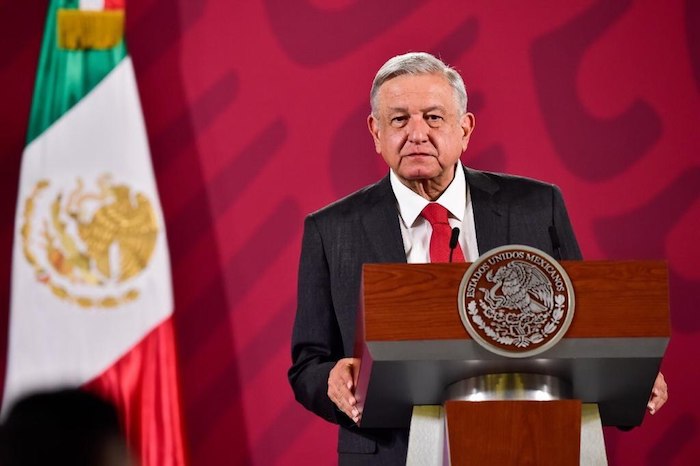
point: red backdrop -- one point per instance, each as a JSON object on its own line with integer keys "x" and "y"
{"x": 256, "y": 116}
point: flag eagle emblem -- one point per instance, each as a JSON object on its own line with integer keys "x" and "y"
{"x": 88, "y": 246}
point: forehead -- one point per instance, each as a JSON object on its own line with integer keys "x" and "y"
{"x": 408, "y": 91}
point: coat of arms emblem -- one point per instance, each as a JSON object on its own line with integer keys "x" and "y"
{"x": 516, "y": 301}
{"x": 88, "y": 245}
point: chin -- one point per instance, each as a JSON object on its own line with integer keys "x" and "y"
{"x": 418, "y": 175}
{"x": 418, "y": 171}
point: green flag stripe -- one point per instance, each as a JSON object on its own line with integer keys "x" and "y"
{"x": 65, "y": 76}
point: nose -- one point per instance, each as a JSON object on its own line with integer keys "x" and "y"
{"x": 417, "y": 130}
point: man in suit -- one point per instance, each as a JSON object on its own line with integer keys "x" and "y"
{"x": 421, "y": 127}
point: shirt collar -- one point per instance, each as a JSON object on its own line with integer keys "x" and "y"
{"x": 454, "y": 199}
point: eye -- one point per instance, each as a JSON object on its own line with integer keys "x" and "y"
{"x": 433, "y": 119}
{"x": 399, "y": 121}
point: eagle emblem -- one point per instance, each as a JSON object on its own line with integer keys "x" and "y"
{"x": 520, "y": 286}
{"x": 516, "y": 301}
{"x": 83, "y": 243}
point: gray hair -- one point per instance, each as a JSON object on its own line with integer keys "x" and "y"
{"x": 415, "y": 63}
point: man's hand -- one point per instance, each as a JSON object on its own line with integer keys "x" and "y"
{"x": 659, "y": 394}
{"x": 341, "y": 387}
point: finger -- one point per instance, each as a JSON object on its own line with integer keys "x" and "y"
{"x": 651, "y": 406}
{"x": 347, "y": 375}
{"x": 340, "y": 386}
{"x": 659, "y": 394}
{"x": 349, "y": 409}
{"x": 355, "y": 369}
{"x": 656, "y": 402}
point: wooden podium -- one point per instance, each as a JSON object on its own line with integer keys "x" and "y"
{"x": 412, "y": 345}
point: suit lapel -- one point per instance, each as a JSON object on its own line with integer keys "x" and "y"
{"x": 490, "y": 217}
{"x": 381, "y": 222}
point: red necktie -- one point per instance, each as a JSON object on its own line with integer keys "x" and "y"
{"x": 440, "y": 238}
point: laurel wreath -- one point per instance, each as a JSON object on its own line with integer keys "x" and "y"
{"x": 503, "y": 321}
{"x": 43, "y": 276}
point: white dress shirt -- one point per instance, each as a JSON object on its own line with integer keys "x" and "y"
{"x": 416, "y": 231}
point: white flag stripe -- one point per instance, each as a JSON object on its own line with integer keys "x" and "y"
{"x": 92, "y": 4}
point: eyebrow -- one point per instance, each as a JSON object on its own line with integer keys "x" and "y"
{"x": 434, "y": 107}
{"x": 423, "y": 110}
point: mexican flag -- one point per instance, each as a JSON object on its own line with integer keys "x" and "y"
{"x": 91, "y": 299}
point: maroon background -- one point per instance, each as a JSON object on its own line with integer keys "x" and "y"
{"x": 256, "y": 116}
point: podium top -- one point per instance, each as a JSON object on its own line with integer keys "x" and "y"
{"x": 412, "y": 343}
{"x": 419, "y": 301}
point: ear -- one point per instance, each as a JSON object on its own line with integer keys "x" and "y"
{"x": 467, "y": 123}
{"x": 373, "y": 126}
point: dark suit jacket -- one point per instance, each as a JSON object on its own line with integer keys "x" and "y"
{"x": 364, "y": 228}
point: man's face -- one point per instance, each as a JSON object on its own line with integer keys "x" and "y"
{"x": 418, "y": 129}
